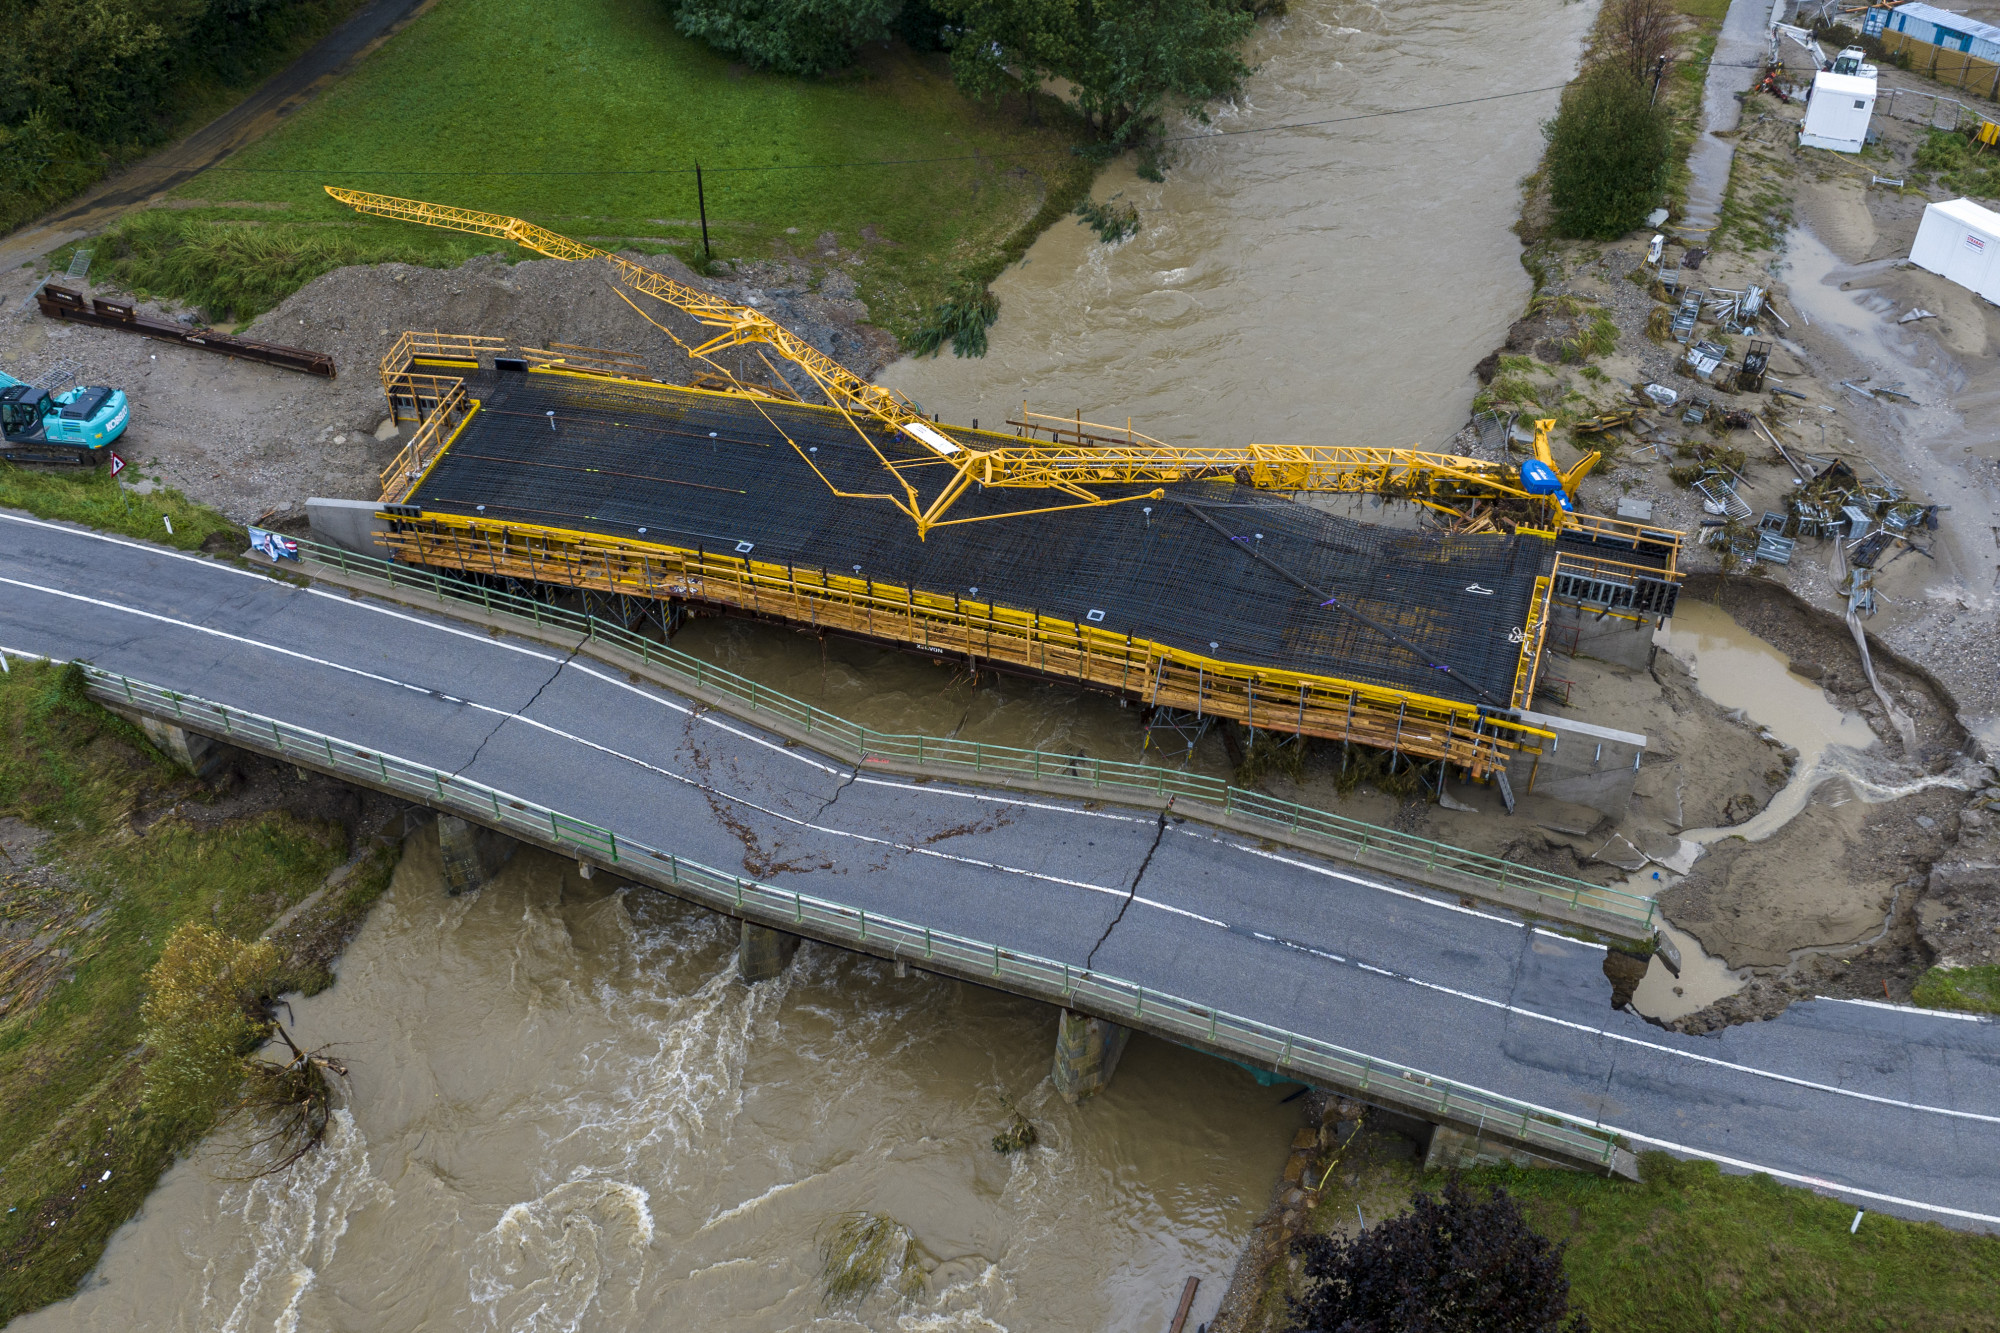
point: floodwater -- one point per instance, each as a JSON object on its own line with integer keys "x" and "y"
{"x": 1703, "y": 980}
{"x": 566, "y": 1113}
{"x": 1332, "y": 285}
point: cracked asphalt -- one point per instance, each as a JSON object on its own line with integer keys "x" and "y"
{"x": 1895, "y": 1110}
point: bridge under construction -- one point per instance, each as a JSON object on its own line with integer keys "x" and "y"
{"x": 1201, "y": 581}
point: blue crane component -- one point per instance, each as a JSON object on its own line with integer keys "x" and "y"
{"x": 77, "y": 425}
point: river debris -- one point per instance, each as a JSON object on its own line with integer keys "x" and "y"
{"x": 858, "y": 1251}
{"x": 1019, "y": 1136}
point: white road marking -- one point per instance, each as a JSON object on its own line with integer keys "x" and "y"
{"x": 1069, "y": 883}
{"x": 1331, "y": 873}
{"x": 1702, "y": 1059}
{"x": 216, "y": 633}
{"x": 1908, "y": 1009}
{"x": 1003, "y": 800}
{"x": 1816, "y": 1182}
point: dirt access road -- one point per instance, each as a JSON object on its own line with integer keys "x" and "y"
{"x": 277, "y": 97}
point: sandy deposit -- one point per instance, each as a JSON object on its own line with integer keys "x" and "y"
{"x": 255, "y": 441}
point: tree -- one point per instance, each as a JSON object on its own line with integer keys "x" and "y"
{"x": 198, "y": 1016}
{"x": 790, "y": 36}
{"x": 1452, "y": 1264}
{"x": 207, "y": 1010}
{"x": 1127, "y": 61}
{"x": 1638, "y": 34}
{"x": 1608, "y": 155}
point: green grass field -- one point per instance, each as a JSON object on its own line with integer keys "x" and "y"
{"x": 1692, "y": 1248}
{"x": 588, "y": 116}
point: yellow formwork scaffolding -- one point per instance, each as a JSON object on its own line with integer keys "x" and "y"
{"x": 985, "y": 635}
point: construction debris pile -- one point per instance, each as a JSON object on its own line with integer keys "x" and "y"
{"x": 1716, "y": 333}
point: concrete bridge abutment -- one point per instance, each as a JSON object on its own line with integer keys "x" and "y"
{"x": 190, "y": 750}
{"x": 1087, "y": 1051}
{"x": 763, "y": 953}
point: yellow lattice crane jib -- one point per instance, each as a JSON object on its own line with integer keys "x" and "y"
{"x": 1070, "y": 468}
{"x": 739, "y": 324}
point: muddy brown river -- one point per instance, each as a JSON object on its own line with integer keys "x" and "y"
{"x": 566, "y": 1113}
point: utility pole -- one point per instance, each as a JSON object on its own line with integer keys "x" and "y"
{"x": 701, "y": 202}
{"x": 1659, "y": 72}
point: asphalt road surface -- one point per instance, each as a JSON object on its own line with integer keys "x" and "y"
{"x": 1893, "y": 1109}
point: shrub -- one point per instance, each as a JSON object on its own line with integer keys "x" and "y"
{"x": 1112, "y": 221}
{"x": 1944, "y": 151}
{"x": 1608, "y": 155}
{"x": 962, "y": 318}
{"x": 1452, "y": 1264}
{"x": 790, "y": 36}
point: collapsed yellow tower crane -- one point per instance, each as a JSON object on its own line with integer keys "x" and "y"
{"x": 1072, "y": 469}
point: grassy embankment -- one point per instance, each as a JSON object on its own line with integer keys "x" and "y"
{"x": 604, "y": 109}
{"x": 78, "y": 931}
{"x": 1692, "y": 1248}
{"x": 92, "y": 498}
{"x": 1973, "y": 988}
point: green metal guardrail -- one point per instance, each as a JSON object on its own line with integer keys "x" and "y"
{"x": 1306, "y": 1058}
{"x": 1354, "y": 835}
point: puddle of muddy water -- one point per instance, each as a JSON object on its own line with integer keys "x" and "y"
{"x": 1737, "y": 669}
{"x": 1704, "y": 979}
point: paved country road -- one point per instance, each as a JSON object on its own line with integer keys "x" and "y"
{"x": 1893, "y": 1109}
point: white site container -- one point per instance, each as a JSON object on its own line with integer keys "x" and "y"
{"x": 1838, "y": 112}
{"x": 1960, "y": 240}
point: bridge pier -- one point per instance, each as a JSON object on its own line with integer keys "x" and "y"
{"x": 763, "y": 953}
{"x": 1087, "y": 1051}
{"x": 1454, "y": 1149}
{"x": 471, "y": 854}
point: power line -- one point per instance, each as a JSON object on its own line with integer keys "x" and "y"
{"x": 848, "y": 166}
{"x": 877, "y": 162}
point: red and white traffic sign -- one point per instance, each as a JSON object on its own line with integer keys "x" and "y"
{"x": 117, "y": 465}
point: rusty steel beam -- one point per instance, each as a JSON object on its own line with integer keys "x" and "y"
{"x": 62, "y": 303}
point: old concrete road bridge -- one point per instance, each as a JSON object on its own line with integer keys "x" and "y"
{"x": 1471, "y": 1018}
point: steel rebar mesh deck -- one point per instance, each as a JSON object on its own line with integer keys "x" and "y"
{"x": 715, "y": 473}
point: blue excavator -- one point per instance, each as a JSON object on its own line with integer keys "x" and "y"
{"x": 76, "y": 425}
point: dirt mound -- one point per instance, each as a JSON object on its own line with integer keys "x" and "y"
{"x": 254, "y": 441}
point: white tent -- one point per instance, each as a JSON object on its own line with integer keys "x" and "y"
{"x": 1837, "y": 114}
{"x": 1960, "y": 240}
